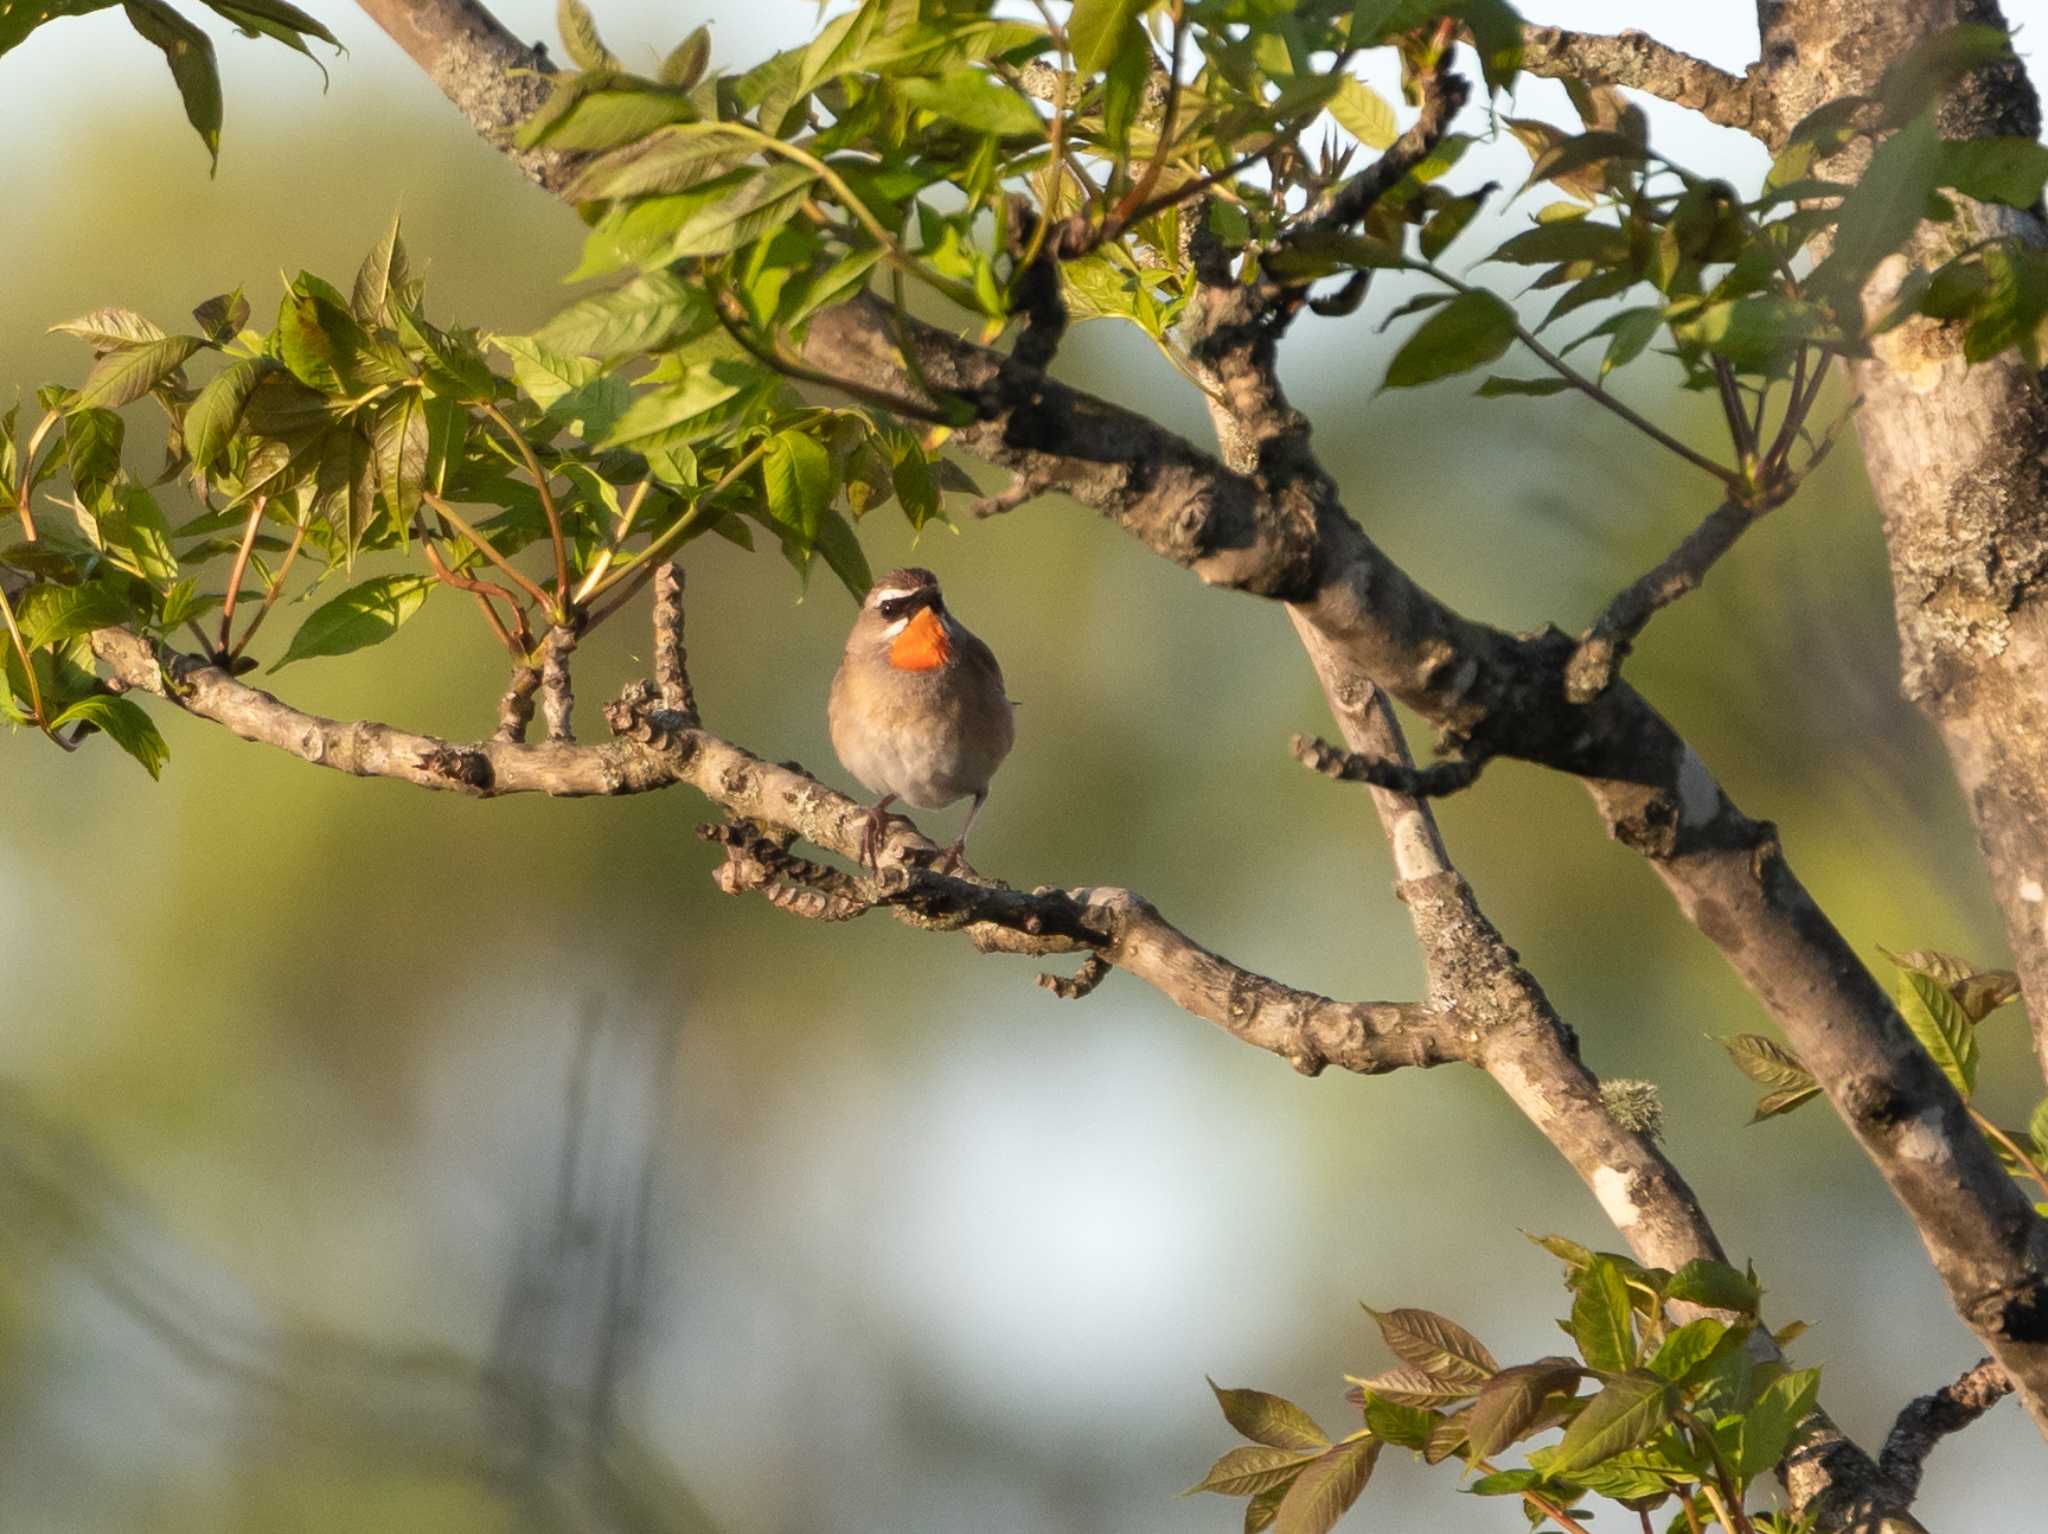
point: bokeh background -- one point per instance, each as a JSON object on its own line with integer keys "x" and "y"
{"x": 374, "y": 1159}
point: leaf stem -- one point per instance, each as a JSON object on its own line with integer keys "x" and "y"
{"x": 620, "y": 533}
{"x": 2006, "y": 1140}
{"x": 28, "y": 475}
{"x": 642, "y": 564}
{"x": 483, "y": 547}
{"x": 276, "y": 585}
{"x": 35, "y": 692}
{"x": 557, "y": 608}
{"x": 241, "y": 568}
{"x": 1542, "y": 1504}
{"x": 1592, "y": 390}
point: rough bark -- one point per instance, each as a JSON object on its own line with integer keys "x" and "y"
{"x": 1637, "y": 60}
{"x": 1958, "y": 456}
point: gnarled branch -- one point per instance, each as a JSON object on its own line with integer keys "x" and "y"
{"x": 1639, "y": 61}
{"x": 1931, "y": 1418}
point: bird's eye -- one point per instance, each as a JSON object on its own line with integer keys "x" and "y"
{"x": 893, "y": 608}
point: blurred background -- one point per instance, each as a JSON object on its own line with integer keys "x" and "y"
{"x": 377, "y": 1159}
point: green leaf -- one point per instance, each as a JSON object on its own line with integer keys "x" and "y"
{"x": 1765, "y": 1061}
{"x": 361, "y": 616}
{"x": 684, "y": 66}
{"x": 1496, "y": 386}
{"x": 1469, "y": 331}
{"x": 1411, "y": 1427}
{"x": 124, "y": 723}
{"x": 1579, "y": 239}
{"x": 51, "y": 614}
{"x": 2001, "y": 169}
{"x": 134, "y": 531}
{"x": 1630, "y": 1411}
{"x": 1768, "y": 1425}
{"x": 92, "y": 446}
{"x": 1513, "y": 1399}
{"x": 384, "y": 272}
{"x": 1245, "y": 1471}
{"x": 215, "y": 414}
{"x": 1435, "y": 1344}
{"x": 400, "y": 441}
{"x": 121, "y": 377}
{"x": 1325, "y": 1490}
{"x": 1506, "y": 1483}
{"x": 222, "y": 317}
{"x": 796, "y": 473}
{"x": 1271, "y": 1420}
{"x": 840, "y": 546}
{"x": 1631, "y": 330}
{"x": 671, "y": 159}
{"x": 1771, "y": 1104}
{"x": 189, "y": 52}
{"x": 1686, "y": 1348}
{"x": 660, "y": 410}
{"x": 1715, "y": 1286}
{"x": 1600, "y": 1318}
{"x": 1363, "y": 113}
{"x": 599, "y": 118}
{"x": 276, "y": 19}
{"x": 1097, "y": 29}
{"x": 969, "y": 98}
{"x": 1882, "y": 212}
{"x": 2037, "y": 1130}
{"x": 648, "y": 314}
{"x": 579, "y": 36}
{"x": 1938, "y": 1021}
{"x": 110, "y": 330}
{"x": 743, "y": 213}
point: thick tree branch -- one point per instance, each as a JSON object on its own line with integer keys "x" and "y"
{"x": 1639, "y": 61}
{"x": 1931, "y": 1418}
{"x": 650, "y": 752}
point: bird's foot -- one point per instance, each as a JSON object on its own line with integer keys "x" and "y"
{"x": 874, "y": 833}
{"x": 954, "y": 860}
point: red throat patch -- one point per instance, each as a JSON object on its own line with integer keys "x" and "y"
{"x": 923, "y": 646}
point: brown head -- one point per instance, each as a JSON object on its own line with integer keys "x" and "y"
{"x": 904, "y": 621}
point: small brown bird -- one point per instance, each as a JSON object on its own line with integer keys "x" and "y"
{"x": 918, "y": 710}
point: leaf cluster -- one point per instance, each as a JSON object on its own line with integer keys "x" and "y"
{"x": 1673, "y": 1395}
{"x": 1942, "y": 998}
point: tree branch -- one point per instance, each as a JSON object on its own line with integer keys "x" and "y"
{"x": 1931, "y": 1418}
{"x": 1310, "y": 1031}
{"x": 1639, "y": 61}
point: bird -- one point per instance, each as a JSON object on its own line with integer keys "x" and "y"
{"x": 918, "y": 710}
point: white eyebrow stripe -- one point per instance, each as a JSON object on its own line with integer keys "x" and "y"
{"x": 888, "y": 594}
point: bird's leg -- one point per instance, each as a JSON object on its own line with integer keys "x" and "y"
{"x": 872, "y": 833}
{"x": 956, "y": 855}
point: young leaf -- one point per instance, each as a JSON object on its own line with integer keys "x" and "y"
{"x": 400, "y": 439}
{"x": 1363, "y": 113}
{"x": 1882, "y": 212}
{"x": 110, "y": 330}
{"x": 1768, "y": 1425}
{"x": 1771, "y": 1104}
{"x": 189, "y": 52}
{"x": 1942, "y": 1027}
{"x": 840, "y": 546}
{"x": 1254, "y": 1468}
{"x": 1409, "y": 1426}
{"x": 1714, "y": 1285}
{"x": 1469, "y": 331}
{"x": 744, "y": 213}
{"x": 1413, "y": 1387}
{"x": 1630, "y": 1411}
{"x": 648, "y": 314}
{"x": 1324, "y": 1491}
{"x": 124, "y": 723}
{"x": 971, "y": 99}
{"x": 1765, "y": 1061}
{"x": 1600, "y": 1318}
{"x": 221, "y": 318}
{"x": 796, "y": 474}
{"x": 684, "y": 66}
{"x": 52, "y": 614}
{"x": 579, "y": 36}
{"x": 121, "y": 377}
{"x": 213, "y": 416}
{"x": 1436, "y": 1345}
{"x": 1098, "y": 29}
{"x": 1689, "y": 1346}
{"x": 383, "y": 274}
{"x": 2037, "y": 1131}
{"x": 2007, "y": 169}
{"x": 1270, "y": 1420}
{"x": 361, "y": 616}
{"x": 1496, "y": 387}
{"x": 1513, "y": 1399}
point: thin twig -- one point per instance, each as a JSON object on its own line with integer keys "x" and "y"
{"x": 1931, "y": 1418}
{"x": 620, "y": 533}
{"x": 1431, "y": 782}
{"x": 547, "y": 505}
{"x": 2011, "y": 1148}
